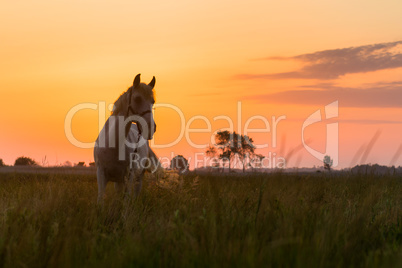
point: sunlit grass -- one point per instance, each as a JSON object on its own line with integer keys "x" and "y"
{"x": 255, "y": 220}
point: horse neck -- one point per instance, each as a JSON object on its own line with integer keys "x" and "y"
{"x": 123, "y": 111}
{"x": 114, "y": 126}
{"x": 112, "y": 129}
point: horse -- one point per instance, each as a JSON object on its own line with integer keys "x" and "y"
{"x": 122, "y": 151}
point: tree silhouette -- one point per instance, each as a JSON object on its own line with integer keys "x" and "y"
{"x": 2, "y": 163}
{"x": 179, "y": 163}
{"x": 25, "y": 161}
{"x": 227, "y": 145}
{"x": 232, "y": 145}
{"x": 212, "y": 153}
{"x": 328, "y": 162}
{"x": 246, "y": 150}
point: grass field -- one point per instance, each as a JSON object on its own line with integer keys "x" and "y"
{"x": 278, "y": 220}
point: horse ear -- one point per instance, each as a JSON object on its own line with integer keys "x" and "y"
{"x": 137, "y": 80}
{"x": 152, "y": 83}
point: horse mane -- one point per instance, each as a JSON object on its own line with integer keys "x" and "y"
{"x": 122, "y": 101}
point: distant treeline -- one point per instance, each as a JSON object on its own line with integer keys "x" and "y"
{"x": 27, "y": 161}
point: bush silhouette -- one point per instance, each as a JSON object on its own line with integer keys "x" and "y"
{"x": 25, "y": 161}
{"x": 179, "y": 163}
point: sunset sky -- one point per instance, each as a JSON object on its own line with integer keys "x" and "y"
{"x": 277, "y": 58}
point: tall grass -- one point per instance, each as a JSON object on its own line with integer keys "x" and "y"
{"x": 215, "y": 221}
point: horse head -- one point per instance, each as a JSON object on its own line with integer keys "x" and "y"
{"x": 141, "y": 101}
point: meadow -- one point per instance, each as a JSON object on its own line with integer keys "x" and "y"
{"x": 257, "y": 220}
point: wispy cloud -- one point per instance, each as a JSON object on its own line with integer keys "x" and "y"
{"x": 374, "y": 95}
{"x": 331, "y": 64}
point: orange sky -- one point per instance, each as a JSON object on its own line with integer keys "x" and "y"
{"x": 206, "y": 56}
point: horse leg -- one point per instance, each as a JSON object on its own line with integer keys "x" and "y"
{"x": 119, "y": 187}
{"x": 138, "y": 184}
{"x": 101, "y": 178}
{"x": 135, "y": 182}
